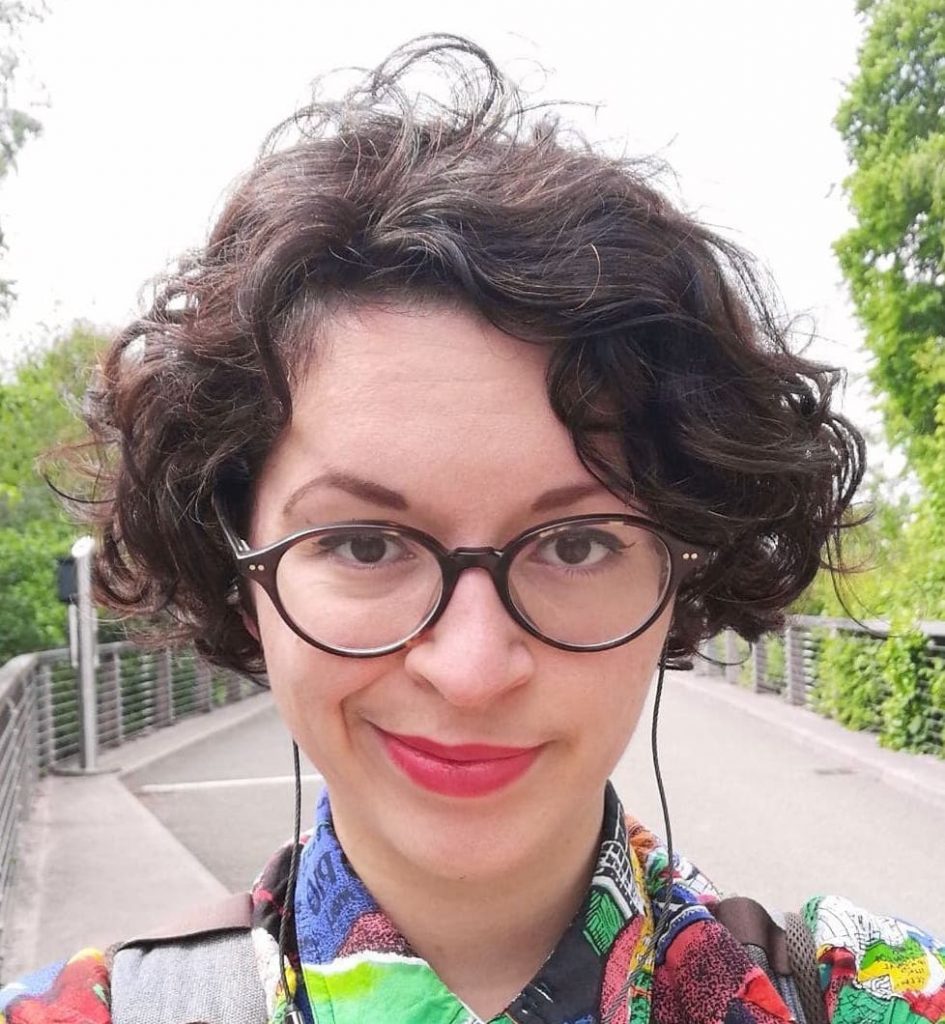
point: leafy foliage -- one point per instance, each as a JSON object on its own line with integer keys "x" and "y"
{"x": 873, "y": 554}
{"x": 893, "y": 123}
{"x": 894, "y": 258}
{"x": 850, "y": 685}
{"x": 912, "y": 710}
{"x": 38, "y": 411}
{"x": 31, "y": 618}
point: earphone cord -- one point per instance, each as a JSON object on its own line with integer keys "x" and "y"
{"x": 618, "y": 1004}
{"x": 292, "y": 1014}
{"x": 654, "y": 749}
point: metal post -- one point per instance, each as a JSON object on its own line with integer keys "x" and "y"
{"x": 759, "y": 665}
{"x": 233, "y": 687}
{"x": 794, "y": 665}
{"x": 163, "y": 691}
{"x": 203, "y": 685}
{"x": 88, "y": 719}
{"x": 47, "y": 737}
{"x": 112, "y": 682}
{"x": 33, "y": 703}
{"x": 732, "y": 666}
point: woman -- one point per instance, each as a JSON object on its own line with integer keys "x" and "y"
{"x": 460, "y": 433}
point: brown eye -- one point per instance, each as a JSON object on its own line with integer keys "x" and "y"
{"x": 365, "y": 550}
{"x": 368, "y": 549}
{"x": 572, "y": 550}
{"x": 578, "y": 548}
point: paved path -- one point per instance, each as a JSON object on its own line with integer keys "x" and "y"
{"x": 769, "y": 800}
{"x": 779, "y": 804}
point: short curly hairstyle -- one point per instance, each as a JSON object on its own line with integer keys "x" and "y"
{"x": 661, "y": 337}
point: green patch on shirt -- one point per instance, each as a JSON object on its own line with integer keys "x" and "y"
{"x": 603, "y": 921}
{"x": 399, "y": 989}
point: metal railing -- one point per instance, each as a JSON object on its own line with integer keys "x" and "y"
{"x": 787, "y": 662}
{"x": 19, "y": 763}
{"x": 137, "y": 691}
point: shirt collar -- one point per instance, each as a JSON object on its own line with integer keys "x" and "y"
{"x": 356, "y": 966}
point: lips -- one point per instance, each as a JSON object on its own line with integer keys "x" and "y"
{"x": 458, "y": 770}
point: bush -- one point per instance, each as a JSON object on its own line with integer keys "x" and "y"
{"x": 38, "y": 410}
{"x": 916, "y": 694}
{"x": 894, "y": 687}
{"x": 31, "y": 616}
{"x": 850, "y": 685}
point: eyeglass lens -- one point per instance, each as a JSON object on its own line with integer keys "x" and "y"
{"x": 368, "y": 587}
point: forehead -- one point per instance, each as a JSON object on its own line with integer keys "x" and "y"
{"x": 424, "y": 360}
{"x": 432, "y": 401}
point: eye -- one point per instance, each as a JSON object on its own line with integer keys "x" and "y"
{"x": 578, "y": 548}
{"x": 365, "y": 550}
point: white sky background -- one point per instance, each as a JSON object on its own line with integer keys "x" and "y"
{"x": 153, "y": 108}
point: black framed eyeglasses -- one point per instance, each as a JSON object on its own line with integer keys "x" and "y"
{"x": 365, "y": 588}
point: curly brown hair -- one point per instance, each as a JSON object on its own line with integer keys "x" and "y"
{"x": 661, "y": 337}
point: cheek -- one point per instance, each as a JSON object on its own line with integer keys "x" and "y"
{"x": 306, "y": 682}
{"x": 618, "y": 685}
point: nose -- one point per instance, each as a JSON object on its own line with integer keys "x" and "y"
{"x": 475, "y": 652}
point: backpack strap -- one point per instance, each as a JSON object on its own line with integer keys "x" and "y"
{"x": 803, "y": 956}
{"x": 198, "y": 969}
{"x": 787, "y": 952}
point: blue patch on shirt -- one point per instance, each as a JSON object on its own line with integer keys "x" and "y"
{"x": 329, "y": 897}
{"x": 36, "y": 984}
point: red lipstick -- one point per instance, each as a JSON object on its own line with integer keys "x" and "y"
{"x": 463, "y": 770}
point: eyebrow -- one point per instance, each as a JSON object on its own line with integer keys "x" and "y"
{"x": 385, "y": 497}
{"x": 356, "y": 486}
{"x": 559, "y": 497}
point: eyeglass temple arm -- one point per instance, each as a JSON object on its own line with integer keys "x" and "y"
{"x": 237, "y": 544}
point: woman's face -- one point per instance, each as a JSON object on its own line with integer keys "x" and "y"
{"x": 437, "y": 420}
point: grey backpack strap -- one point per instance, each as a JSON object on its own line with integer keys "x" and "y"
{"x": 803, "y": 956}
{"x": 787, "y": 954}
{"x": 200, "y": 969}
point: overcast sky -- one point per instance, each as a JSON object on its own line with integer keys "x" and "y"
{"x": 153, "y": 108}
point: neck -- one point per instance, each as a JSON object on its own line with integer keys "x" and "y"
{"x": 485, "y": 938}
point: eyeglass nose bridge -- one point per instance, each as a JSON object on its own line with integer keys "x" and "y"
{"x": 453, "y": 564}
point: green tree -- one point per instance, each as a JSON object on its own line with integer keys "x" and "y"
{"x": 17, "y": 126}
{"x": 39, "y": 409}
{"x": 873, "y": 552}
{"x": 893, "y": 123}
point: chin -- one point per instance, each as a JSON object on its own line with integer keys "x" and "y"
{"x": 468, "y": 847}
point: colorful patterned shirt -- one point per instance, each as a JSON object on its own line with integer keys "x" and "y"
{"x": 347, "y": 962}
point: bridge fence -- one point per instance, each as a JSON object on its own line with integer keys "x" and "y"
{"x": 786, "y": 662}
{"x": 137, "y": 691}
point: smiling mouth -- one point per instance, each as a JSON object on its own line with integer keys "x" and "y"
{"x": 457, "y": 770}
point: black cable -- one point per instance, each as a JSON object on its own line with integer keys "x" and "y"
{"x": 654, "y": 749}
{"x": 618, "y": 1002}
{"x": 292, "y": 1014}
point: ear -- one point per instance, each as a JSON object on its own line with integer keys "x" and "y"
{"x": 240, "y": 601}
{"x": 250, "y": 624}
